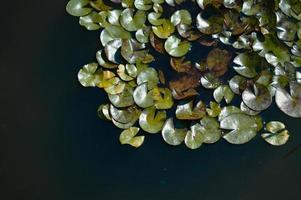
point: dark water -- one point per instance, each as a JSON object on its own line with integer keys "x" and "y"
{"x": 53, "y": 146}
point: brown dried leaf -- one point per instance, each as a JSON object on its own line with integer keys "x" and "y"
{"x": 162, "y": 77}
{"x": 207, "y": 41}
{"x": 179, "y": 65}
{"x": 218, "y": 61}
{"x": 186, "y": 84}
{"x": 157, "y": 43}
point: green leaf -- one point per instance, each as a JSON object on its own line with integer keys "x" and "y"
{"x": 175, "y": 47}
{"x": 277, "y": 134}
{"x": 89, "y": 76}
{"x": 78, "y": 7}
{"x": 242, "y": 128}
{"x": 128, "y": 136}
{"x": 194, "y": 137}
{"x": 152, "y": 120}
{"x": 171, "y": 135}
{"x": 289, "y": 103}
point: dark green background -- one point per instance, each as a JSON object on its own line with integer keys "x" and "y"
{"x": 53, "y": 146}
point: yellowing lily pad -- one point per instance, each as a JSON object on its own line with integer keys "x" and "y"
{"x": 175, "y": 47}
{"x": 277, "y": 134}
{"x": 128, "y": 136}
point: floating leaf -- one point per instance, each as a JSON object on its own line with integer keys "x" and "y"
{"x": 152, "y": 120}
{"x": 163, "y": 98}
{"x": 289, "y": 103}
{"x": 185, "y": 85}
{"x": 218, "y": 61}
{"x": 272, "y": 49}
{"x": 194, "y": 137}
{"x": 149, "y": 76}
{"x": 179, "y": 65}
{"x": 242, "y": 128}
{"x": 258, "y": 100}
{"x": 123, "y": 72}
{"x": 228, "y": 110}
{"x": 143, "y": 4}
{"x": 157, "y": 43}
{"x": 92, "y": 21}
{"x": 175, "y": 47}
{"x": 171, "y": 135}
{"x": 247, "y": 110}
{"x": 78, "y": 7}
{"x": 102, "y": 60}
{"x": 133, "y": 52}
{"x": 210, "y": 130}
{"x": 164, "y": 30}
{"x": 211, "y": 25}
{"x": 123, "y": 99}
{"x": 238, "y": 84}
{"x": 142, "y": 35}
{"x": 210, "y": 81}
{"x": 89, "y": 76}
{"x": 128, "y": 136}
{"x": 214, "y": 109}
{"x": 181, "y": 17}
{"x": 142, "y": 97}
{"x": 189, "y": 112}
{"x": 103, "y": 111}
{"x": 111, "y": 49}
{"x": 223, "y": 92}
{"x": 130, "y": 21}
{"x": 247, "y": 64}
{"x": 113, "y": 32}
{"x": 277, "y": 134}
{"x": 124, "y": 118}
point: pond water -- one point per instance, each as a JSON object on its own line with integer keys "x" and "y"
{"x": 56, "y": 147}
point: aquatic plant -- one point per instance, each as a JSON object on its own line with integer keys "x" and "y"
{"x": 256, "y": 42}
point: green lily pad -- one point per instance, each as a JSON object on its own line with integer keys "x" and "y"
{"x": 130, "y": 21}
{"x": 89, "y": 75}
{"x": 194, "y": 137}
{"x": 142, "y": 97}
{"x": 242, "y": 128}
{"x": 128, "y": 136}
{"x": 223, "y": 92}
{"x": 103, "y": 111}
{"x": 289, "y": 103}
{"x": 152, "y": 120}
{"x": 78, "y": 7}
{"x": 189, "y": 112}
{"x": 258, "y": 100}
{"x": 175, "y": 47}
{"x": 210, "y": 130}
{"x": 181, "y": 17}
{"x": 149, "y": 76}
{"x": 171, "y": 135}
{"x": 164, "y": 30}
{"x": 277, "y": 134}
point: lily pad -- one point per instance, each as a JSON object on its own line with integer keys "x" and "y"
{"x": 175, "y": 47}
{"x": 189, "y": 112}
{"x": 277, "y": 134}
{"x": 289, "y": 103}
{"x": 89, "y": 75}
{"x": 242, "y": 128}
{"x": 128, "y": 136}
{"x": 223, "y": 92}
{"x": 259, "y": 99}
{"x": 152, "y": 120}
{"x": 78, "y": 7}
{"x": 194, "y": 137}
{"x": 171, "y": 135}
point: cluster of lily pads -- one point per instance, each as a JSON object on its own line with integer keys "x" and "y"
{"x": 264, "y": 34}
